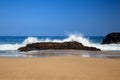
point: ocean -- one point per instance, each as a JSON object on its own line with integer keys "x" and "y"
{"x": 10, "y": 44}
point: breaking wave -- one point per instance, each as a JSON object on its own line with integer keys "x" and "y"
{"x": 72, "y": 37}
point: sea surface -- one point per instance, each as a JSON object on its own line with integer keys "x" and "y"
{"x": 10, "y": 44}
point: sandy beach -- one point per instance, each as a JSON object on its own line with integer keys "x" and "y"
{"x": 59, "y": 68}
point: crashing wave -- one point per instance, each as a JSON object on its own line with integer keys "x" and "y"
{"x": 72, "y": 37}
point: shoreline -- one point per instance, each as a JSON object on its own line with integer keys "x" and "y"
{"x": 65, "y": 52}
{"x": 83, "y": 53}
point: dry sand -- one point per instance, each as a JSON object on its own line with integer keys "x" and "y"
{"x": 59, "y": 68}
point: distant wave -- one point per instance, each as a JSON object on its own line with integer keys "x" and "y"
{"x": 72, "y": 37}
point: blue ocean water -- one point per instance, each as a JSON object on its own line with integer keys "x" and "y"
{"x": 10, "y": 44}
{"x": 20, "y": 39}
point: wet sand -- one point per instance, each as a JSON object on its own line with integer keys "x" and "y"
{"x": 83, "y": 53}
{"x": 59, "y": 68}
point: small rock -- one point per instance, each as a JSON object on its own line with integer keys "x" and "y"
{"x": 112, "y": 38}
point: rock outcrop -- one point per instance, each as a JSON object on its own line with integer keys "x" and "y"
{"x": 112, "y": 38}
{"x": 54, "y": 45}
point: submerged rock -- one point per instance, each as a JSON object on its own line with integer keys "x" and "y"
{"x": 112, "y": 38}
{"x": 56, "y": 46}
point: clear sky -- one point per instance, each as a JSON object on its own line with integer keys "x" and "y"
{"x": 58, "y": 17}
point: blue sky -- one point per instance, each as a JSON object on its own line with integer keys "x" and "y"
{"x": 58, "y": 17}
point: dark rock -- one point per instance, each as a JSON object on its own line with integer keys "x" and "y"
{"x": 112, "y": 38}
{"x": 54, "y": 45}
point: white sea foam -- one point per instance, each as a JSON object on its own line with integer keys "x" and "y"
{"x": 30, "y": 40}
{"x": 85, "y": 55}
{"x": 10, "y": 46}
{"x": 72, "y": 37}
